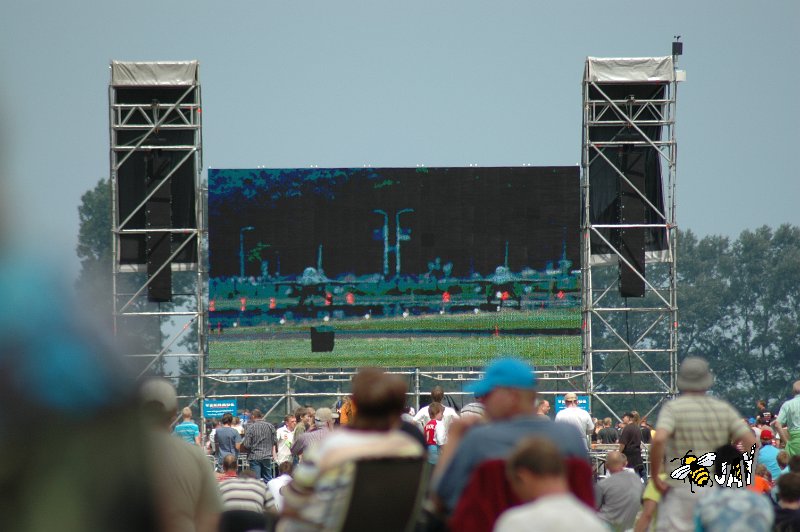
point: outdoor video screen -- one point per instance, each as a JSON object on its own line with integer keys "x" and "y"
{"x": 396, "y": 267}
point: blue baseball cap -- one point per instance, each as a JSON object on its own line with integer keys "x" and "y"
{"x": 504, "y": 373}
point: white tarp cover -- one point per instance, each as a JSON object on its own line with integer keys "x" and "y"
{"x": 629, "y": 69}
{"x": 612, "y": 259}
{"x": 153, "y": 73}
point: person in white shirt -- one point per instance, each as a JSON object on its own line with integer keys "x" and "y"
{"x": 575, "y": 415}
{"x": 276, "y": 484}
{"x": 537, "y": 474}
{"x": 284, "y": 438}
{"x": 423, "y": 416}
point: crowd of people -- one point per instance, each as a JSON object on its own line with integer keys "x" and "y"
{"x": 501, "y": 463}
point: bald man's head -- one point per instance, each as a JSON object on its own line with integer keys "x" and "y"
{"x": 615, "y": 462}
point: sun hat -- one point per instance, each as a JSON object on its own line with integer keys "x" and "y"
{"x": 694, "y": 375}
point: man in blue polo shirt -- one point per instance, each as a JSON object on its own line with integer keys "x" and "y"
{"x": 508, "y": 393}
{"x": 187, "y": 429}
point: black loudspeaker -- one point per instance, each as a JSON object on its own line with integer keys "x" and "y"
{"x": 607, "y": 189}
{"x": 158, "y": 159}
{"x": 632, "y": 211}
{"x": 321, "y": 339}
{"x": 158, "y": 215}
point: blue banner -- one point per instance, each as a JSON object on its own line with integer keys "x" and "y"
{"x": 583, "y": 402}
{"x": 216, "y": 407}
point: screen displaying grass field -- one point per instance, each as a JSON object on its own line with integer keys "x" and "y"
{"x": 395, "y": 267}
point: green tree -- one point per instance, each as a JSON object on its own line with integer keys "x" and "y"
{"x": 94, "y": 249}
{"x": 738, "y": 306}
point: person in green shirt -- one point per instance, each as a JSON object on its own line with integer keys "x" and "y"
{"x": 788, "y": 422}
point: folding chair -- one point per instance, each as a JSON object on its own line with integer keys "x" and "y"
{"x": 385, "y": 494}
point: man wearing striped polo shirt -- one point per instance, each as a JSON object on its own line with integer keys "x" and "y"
{"x": 259, "y": 440}
{"x": 694, "y": 422}
{"x": 243, "y": 492}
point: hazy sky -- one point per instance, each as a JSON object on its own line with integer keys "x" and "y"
{"x": 435, "y": 82}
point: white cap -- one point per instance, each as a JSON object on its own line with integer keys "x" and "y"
{"x": 159, "y": 390}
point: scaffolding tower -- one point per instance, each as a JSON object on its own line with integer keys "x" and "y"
{"x": 628, "y": 162}
{"x": 158, "y": 219}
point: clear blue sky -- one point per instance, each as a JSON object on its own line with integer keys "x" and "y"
{"x": 435, "y": 82}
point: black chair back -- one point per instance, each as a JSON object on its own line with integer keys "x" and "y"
{"x": 386, "y": 495}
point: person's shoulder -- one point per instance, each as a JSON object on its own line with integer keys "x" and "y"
{"x": 513, "y": 520}
{"x": 769, "y": 451}
{"x": 631, "y": 478}
{"x": 581, "y": 516}
{"x": 191, "y": 452}
{"x": 564, "y": 415}
{"x": 562, "y": 430}
{"x": 691, "y": 404}
{"x": 605, "y": 483}
{"x": 240, "y": 483}
{"x": 565, "y": 434}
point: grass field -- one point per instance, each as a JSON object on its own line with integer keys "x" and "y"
{"x": 464, "y": 350}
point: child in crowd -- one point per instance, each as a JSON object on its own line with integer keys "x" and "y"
{"x": 762, "y": 480}
{"x": 434, "y": 431}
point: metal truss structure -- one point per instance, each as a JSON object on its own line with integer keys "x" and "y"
{"x": 630, "y": 344}
{"x": 420, "y": 382}
{"x": 155, "y": 111}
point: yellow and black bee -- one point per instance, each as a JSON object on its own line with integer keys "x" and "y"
{"x": 694, "y": 468}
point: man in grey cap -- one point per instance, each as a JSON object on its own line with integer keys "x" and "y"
{"x": 188, "y": 497}
{"x": 321, "y": 429}
{"x": 693, "y": 423}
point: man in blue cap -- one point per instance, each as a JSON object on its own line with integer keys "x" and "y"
{"x": 508, "y": 393}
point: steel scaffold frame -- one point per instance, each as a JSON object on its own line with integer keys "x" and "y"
{"x": 133, "y": 128}
{"x": 653, "y": 354}
{"x": 551, "y": 382}
{"x": 589, "y": 377}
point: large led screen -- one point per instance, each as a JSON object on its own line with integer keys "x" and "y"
{"x": 396, "y": 267}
